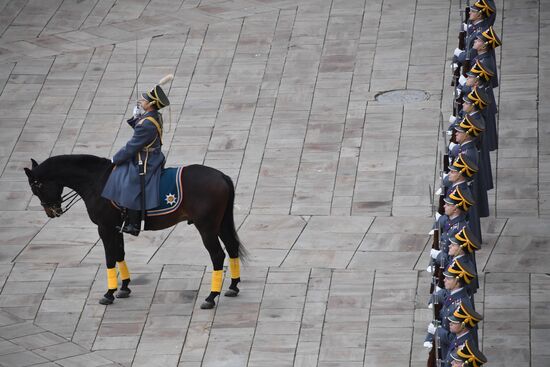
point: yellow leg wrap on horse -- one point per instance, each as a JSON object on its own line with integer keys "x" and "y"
{"x": 111, "y": 278}
{"x": 123, "y": 269}
{"x": 235, "y": 268}
{"x": 217, "y": 280}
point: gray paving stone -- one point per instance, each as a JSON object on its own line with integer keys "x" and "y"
{"x": 280, "y": 96}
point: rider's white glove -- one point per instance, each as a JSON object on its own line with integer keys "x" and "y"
{"x": 434, "y": 253}
{"x": 437, "y": 216}
{"x": 428, "y": 345}
{"x": 452, "y": 119}
{"x": 462, "y": 80}
{"x": 457, "y": 52}
{"x": 464, "y": 26}
{"x": 137, "y": 111}
{"x": 431, "y": 328}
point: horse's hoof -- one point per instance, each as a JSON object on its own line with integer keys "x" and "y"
{"x": 106, "y": 301}
{"x": 123, "y": 293}
{"x": 231, "y": 292}
{"x": 207, "y": 305}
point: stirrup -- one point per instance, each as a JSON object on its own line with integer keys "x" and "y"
{"x": 130, "y": 228}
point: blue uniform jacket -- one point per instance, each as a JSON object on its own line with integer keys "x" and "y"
{"x": 123, "y": 185}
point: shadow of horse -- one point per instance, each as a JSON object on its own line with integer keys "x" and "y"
{"x": 209, "y": 196}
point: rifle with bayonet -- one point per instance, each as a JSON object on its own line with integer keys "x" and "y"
{"x": 434, "y": 357}
{"x": 466, "y": 65}
{"x": 461, "y": 42}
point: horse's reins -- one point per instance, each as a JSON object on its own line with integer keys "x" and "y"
{"x": 72, "y": 197}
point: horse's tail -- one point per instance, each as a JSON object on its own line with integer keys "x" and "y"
{"x": 228, "y": 223}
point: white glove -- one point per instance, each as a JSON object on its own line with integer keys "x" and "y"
{"x": 437, "y": 216}
{"x": 431, "y": 328}
{"x": 430, "y": 306}
{"x": 428, "y": 345}
{"x": 431, "y": 233}
{"x": 438, "y": 192}
{"x": 462, "y": 80}
{"x": 429, "y": 269}
{"x": 457, "y": 52}
{"x": 451, "y": 145}
{"x": 434, "y": 253}
{"x": 454, "y": 65}
{"x": 452, "y": 118}
{"x": 437, "y": 288}
{"x": 458, "y": 90}
{"x": 112, "y": 160}
{"x": 449, "y": 133}
{"x": 464, "y": 26}
{"x": 137, "y": 111}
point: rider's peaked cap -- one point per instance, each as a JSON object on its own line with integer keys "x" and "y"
{"x": 157, "y": 97}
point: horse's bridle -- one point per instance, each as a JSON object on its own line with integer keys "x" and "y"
{"x": 55, "y": 207}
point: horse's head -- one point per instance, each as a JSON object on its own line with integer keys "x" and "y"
{"x": 48, "y": 191}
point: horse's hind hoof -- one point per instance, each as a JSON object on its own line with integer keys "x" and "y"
{"x": 207, "y": 305}
{"x": 231, "y": 292}
{"x": 123, "y": 293}
{"x": 106, "y": 301}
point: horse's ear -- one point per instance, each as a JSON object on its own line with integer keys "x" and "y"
{"x": 29, "y": 173}
{"x": 34, "y": 164}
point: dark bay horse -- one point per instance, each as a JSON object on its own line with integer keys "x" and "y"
{"x": 208, "y": 204}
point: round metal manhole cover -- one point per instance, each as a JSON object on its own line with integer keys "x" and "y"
{"x": 402, "y": 96}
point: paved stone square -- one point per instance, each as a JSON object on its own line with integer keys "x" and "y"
{"x": 332, "y": 197}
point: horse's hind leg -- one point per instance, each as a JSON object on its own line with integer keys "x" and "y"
{"x": 211, "y": 242}
{"x": 232, "y": 247}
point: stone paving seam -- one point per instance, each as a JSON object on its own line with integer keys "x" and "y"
{"x": 301, "y": 318}
{"x": 284, "y": 61}
{"x": 306, "y": 220}
{"x": 26, "y": 120}
{"x": 303, "y": 144}
{"x": 248, "y": 139}
{"x": 360, "y": 242}
{"x": 77, "y": 138}
{"x": 343, "y": 137}
{"x": 495, "y": 246}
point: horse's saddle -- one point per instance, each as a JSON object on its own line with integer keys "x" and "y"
{"x": 170, "y": 192}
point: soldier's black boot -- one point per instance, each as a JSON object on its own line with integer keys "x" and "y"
{"x": 132, "y": 223}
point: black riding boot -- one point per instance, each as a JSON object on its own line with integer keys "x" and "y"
{"x": 132, "y": 223}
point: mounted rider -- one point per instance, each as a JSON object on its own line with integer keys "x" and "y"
{"x": 139, "y": 163}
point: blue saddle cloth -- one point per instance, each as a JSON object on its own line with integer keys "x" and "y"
{"x": 170, "y": 191}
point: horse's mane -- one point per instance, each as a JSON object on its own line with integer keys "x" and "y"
{"x": 63, "y": 165}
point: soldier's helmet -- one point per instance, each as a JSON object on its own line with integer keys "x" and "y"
{"x": 490, "y": 38}
{"x": 461, "y": 197}
{"x": 487, "y": 7}
{"x": 469, "y": 354}
{"x": 459, "y": 269}
{"x": 466, "y": 315}
{"x": 465, "y": 165}
{"x": 466, "y": 239}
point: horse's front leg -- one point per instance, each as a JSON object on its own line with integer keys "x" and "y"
{"x": 113, "y": 243}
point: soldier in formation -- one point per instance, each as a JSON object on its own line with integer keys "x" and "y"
{"x": 452, "y": 335}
